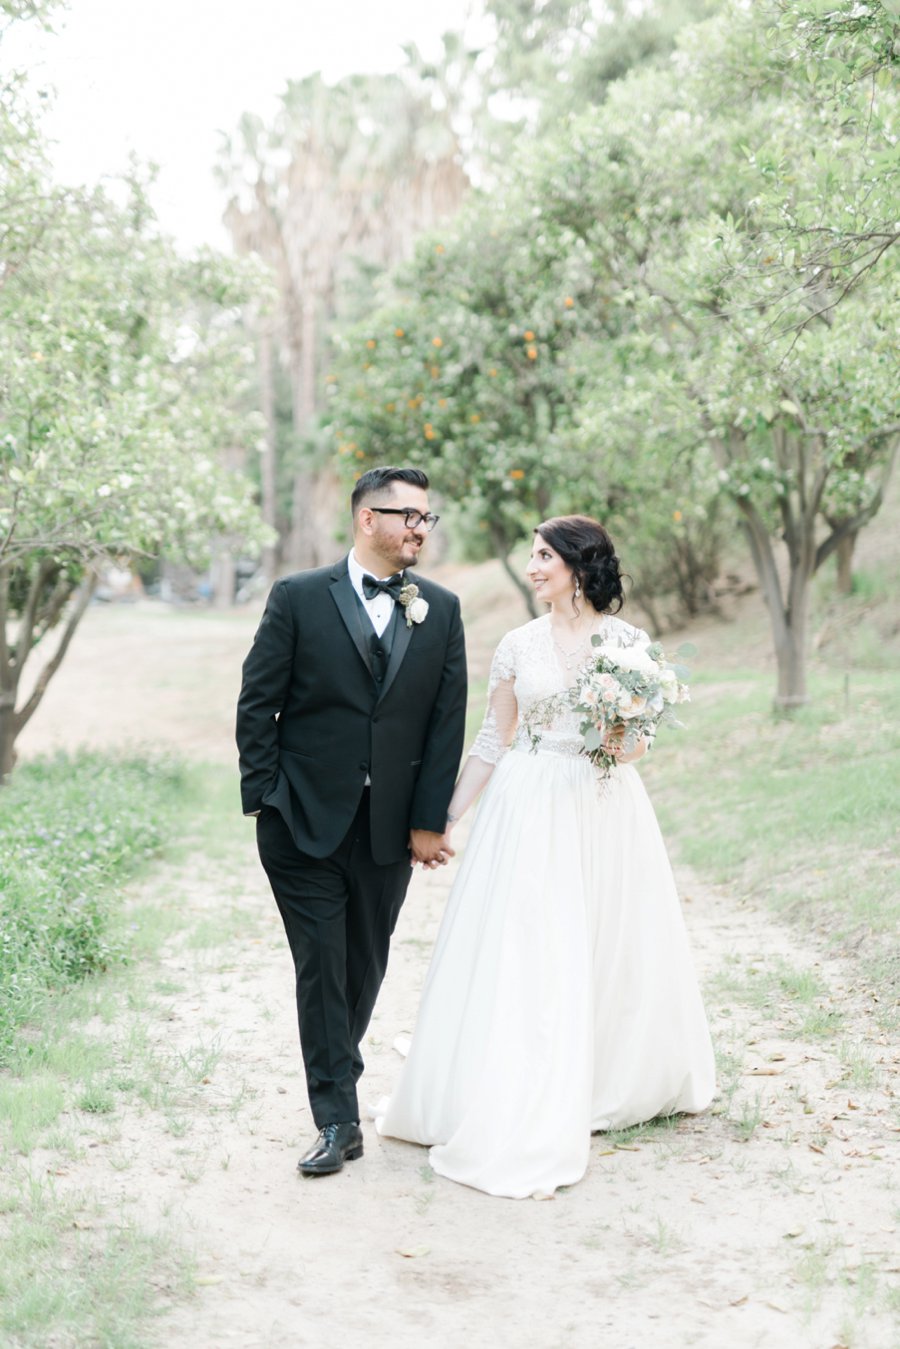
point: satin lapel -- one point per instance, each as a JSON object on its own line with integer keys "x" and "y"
{"x": 344, "y": 597}
{"x": 402, "y": 637}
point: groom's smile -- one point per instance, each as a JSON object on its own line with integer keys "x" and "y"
{"x": 386, "y": 537}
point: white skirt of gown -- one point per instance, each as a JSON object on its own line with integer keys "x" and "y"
{"x": 561, "y": 996}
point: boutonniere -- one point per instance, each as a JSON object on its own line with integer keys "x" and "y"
{"x": 415, "y": 608}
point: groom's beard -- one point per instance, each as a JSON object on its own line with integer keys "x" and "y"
{"x": 411, "y": 549}
{"x": 406, "y": 554}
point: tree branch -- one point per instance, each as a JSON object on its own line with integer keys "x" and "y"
{"x": 501, "y": 550}
{"x": 4, "y": 612}
{"x": 764, "y": 562}
{"x": 861, "y": 518}
{"x": 27, "y": 711}
{"x": 892, "y": 429}
{"x": 29, "y": 613}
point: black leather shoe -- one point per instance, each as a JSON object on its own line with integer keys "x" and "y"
{"x": 336, "y": 1144}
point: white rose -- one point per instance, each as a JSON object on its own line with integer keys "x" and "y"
{"x": 418, "y": 610}
{"x": 668, "y": 684}
{"x": 630, "y": 658}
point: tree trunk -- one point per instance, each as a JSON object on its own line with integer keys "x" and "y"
{"x": 844, "y": 551}
{"x": 645, "y": 601}
{"x": 223, "y": 573}
{"x": 267, "y": 400}
{"x": 501, "y": 550}
{"x": 790, "y": 644}
{"x": 790, "y": 653}
{"x": 13, "y": 720}
{"x": 787, "y": 619}
{"x": 8, "y": 733}
{"x": 303, "y": 548}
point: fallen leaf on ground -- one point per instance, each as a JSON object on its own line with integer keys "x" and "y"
{"x": 413, "y": 1252}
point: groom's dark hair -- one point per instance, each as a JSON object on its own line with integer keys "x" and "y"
{"x": 375, "y": 480}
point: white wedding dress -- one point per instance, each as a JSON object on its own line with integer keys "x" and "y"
{"x": 561, "y": 996}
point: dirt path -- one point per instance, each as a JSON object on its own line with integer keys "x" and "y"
{"x": 772, "y": 1220}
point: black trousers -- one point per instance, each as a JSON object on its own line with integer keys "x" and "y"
{"x": 339, "y": 913}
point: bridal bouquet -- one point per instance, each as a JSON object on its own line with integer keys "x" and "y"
{"x": 624, "y": 693}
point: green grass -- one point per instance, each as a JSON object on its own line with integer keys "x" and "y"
{"x": 801, "y": 999}
{"x": 663, "y": 1127}
{"x": 70, "y": 1275}
{"x": 28, "y": 1107}
{"x": 72, "y": 829}
{"x": 81, "y": 1051}
{"x": 800, "y": 811}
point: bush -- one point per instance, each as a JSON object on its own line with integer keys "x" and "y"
{"x": 72, "y": 828}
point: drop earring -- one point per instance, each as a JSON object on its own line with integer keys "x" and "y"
{"x": 578, "y": 590}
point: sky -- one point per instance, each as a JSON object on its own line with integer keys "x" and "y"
{"x": 161, "y": 79}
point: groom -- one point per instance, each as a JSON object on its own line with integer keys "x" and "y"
{"x": 350, "y": 730}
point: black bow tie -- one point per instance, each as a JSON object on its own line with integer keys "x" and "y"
{"x": 392, "y": 586}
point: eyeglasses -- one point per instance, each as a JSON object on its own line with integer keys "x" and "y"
{"x": 412, "y": 519}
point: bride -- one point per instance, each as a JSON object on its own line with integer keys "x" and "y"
{"x": 561, "y": 997}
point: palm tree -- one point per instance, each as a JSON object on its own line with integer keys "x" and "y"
{"x": 346, "y": 175}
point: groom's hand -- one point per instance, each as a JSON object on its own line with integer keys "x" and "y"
{"x": 431, "y": 849}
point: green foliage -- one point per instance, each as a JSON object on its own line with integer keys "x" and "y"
{"x": 72, "y": 829}
{"x": 642, "y": 322}
{"x": 124, "y": 371}
{"x": 38, "y": 10}
{"x": 560, "y": 56}
{"x": 123, "y": 368}
{"x": 848, "y": 41}
{"x": 125, "y": 381}
{"x": 471, "y": 367}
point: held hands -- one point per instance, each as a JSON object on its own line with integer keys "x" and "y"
{"x": 431, "y": 849}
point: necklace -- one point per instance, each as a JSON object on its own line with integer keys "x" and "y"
{"x": 574, "y": 656}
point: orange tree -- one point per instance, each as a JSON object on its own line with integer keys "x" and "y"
{"x": 705, "y": 199}
{"x": 644, "y": 323}
{"x": 493, "y": 363}
{"x": 472, "y": 369}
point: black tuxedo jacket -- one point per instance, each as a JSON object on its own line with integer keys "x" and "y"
{"x": 312, "y": 722}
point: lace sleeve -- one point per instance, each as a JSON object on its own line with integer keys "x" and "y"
{"x": 499, "y": 725}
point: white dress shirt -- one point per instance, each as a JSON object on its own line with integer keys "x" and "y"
{"x": 381, "y": 607}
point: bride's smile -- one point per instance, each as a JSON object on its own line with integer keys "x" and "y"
{"x": 551, "y": 578}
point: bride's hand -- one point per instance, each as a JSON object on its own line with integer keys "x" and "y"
{"x": 430, "y": 849}
{"x": 614, "y": 745}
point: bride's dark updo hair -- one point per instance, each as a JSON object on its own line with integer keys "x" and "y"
{"x": 585, "y": 547}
